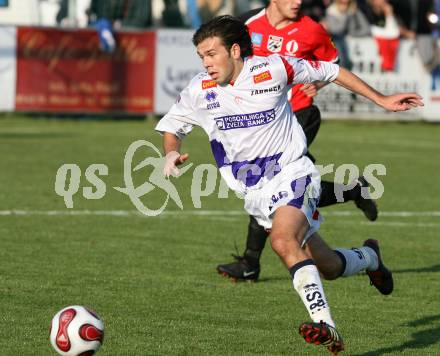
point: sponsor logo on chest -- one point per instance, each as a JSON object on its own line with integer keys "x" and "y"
{"x": 207, "y": 84}
{"x": 259, "y": 66}
{"x": 245, "y": 120}
{"x": 291, "y": 47}
{"x": 266, "y": 90}
{"x": 262, "y": 77}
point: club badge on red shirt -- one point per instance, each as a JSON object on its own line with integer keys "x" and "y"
{"x": 275, "y": 43}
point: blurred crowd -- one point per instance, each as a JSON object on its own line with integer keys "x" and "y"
{"x": 387, "y": 21}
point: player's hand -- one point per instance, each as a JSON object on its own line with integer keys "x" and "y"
{"x": 401, "y": 102}
{"x": 172, "y": 160}
{"x": 309, "y": 89}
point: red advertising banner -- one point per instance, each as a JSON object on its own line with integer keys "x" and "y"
{"x": 65, "y": 71}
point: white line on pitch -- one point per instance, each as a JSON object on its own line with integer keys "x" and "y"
{"x": 175, "y": 213}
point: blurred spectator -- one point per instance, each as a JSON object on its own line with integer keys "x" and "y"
{"x": 385, "y": 30}
{"x": 344, "y": 18}
{"x": 425, "y": 41}
{"x": 193, "y": 13}
{"x": 136, "y": 13}
{"x": 105, "y": 15}
{"x": 405, "y": 11}
{"x": 101, "y": 16}
{"x": 200, "y": 11}
{"x": 414, "y": 21}
{"x": 212, "y": 8}
{"x": 315, "y": 8}
{"x": 241, "y": 6}
{"x": 79, "y": 16}
{"x": 62, "y": 12}
{"x": 126, "y": 13}
{"x": 171, "y": 15}
{"x": 102, "y": 9}
{"x": 434, "y": 18}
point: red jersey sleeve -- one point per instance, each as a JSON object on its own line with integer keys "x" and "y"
{"x": 324, "y": 49}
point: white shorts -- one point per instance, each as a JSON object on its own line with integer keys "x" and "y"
{"x": 298, "y": 184}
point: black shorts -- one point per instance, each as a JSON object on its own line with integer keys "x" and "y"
{"x": 310, "y": 120}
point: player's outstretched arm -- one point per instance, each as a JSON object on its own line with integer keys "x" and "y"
{"x": 171, "y": 146}
{"x": 396, "y": 102}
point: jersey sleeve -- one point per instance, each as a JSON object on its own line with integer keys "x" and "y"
{"x": 301, "y": 71}
{"x": 324, "y": 49}
{"x": 182, "y": 116}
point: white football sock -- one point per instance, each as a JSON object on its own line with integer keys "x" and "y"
{"x": 358, "y": 259}
{"x": 307, "y": 283}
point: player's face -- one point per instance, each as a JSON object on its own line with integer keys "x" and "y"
{"x": 218, "y": 62}
{"x": 289, "y": 9}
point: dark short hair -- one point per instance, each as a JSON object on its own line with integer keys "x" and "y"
{"x": 230, "y": 30}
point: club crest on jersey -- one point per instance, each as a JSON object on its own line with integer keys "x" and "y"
{"x": 274, "y": 43}
{"x": 291, "y": 47}
{"x": 206, "y": 84}
{"x": 256, "y": 38}
{"x": 262, "y": 77}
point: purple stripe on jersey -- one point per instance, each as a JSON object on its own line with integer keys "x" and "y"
{"x": 299, "y": 187}
{"x": 250, "y": 172}
{"x": 219, "y": 153}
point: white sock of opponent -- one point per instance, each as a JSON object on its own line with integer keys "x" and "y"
{"x": 307, "y": 283}
{"x": 357, "y": 259}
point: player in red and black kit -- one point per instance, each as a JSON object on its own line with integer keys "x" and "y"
{"x": 281, "y": 28}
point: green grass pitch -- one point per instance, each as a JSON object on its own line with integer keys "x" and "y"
{"x": 153, "y": 279}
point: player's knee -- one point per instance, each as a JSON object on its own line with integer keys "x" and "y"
{"x": 280, "y": 248}
{"x": 283, "y": 246}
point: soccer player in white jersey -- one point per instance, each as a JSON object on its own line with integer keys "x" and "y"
{"x": 241, "y": 103}
{"x": 282, "y": 28}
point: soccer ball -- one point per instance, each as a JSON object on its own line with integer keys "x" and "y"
{"x": 75, "y": 331}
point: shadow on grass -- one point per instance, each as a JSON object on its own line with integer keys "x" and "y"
{"x": 434, "y": 268}
{"x": 419, "y": 340}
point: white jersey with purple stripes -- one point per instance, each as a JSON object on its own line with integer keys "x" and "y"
{"x": 253, "y": 132}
